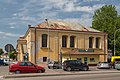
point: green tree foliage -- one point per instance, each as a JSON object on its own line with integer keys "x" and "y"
{"x": 12, "y": 54}
{"x": 1, "y": 51}
{"x": 106, "y": 19}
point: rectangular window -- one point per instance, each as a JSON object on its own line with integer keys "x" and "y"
{"x": 92, "y": 60}
{"x": 72, "y": 41}
{"x": 90, "y": 42}
{"x": 97, "y": 42}
{"x": 44, "y": 59}
{"x": 64, "y": 41}
{"x": 79, "y": 59}
{"x": 44, "y": 40}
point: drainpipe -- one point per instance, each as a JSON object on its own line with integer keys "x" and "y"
{"x": 35, "y": 45}
{"x": 48, "y": 40}
{"x": 104, "y": 49}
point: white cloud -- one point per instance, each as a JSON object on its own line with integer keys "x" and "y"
{"x": 118, "y": 8}
{"x": 12, "y": 27}
{"x": 12, "y": 23}
{"x": 10, "y": 1}
{"x": 90, "y": 0}
{"x": 8, "y": 34}
{"x": 15, "y": 14}
{"x": 70, "y": 5}
{"x": 83, "y": 21}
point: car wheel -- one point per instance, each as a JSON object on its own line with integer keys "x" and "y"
{"x": 17, "y": 72}
{"x": 69, "y": 69}
{"x": 39, "y": 71}
{"x": 48, "y": 67}
{"x": 85, "y": 68}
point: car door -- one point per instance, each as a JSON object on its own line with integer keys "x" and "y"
{"x": 31, "y": 67}
{"x": 78, "y": 64}
{"x": 23, "y": 67}
{"x": 74, "y": 64}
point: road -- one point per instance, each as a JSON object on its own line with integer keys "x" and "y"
{"x": 108, "y": 76}
{"x": 4, "y": 70}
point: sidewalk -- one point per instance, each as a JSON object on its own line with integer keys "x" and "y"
{"x": 58, "y": 74}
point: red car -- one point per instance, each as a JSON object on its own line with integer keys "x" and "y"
{"x": 26, "y": 67}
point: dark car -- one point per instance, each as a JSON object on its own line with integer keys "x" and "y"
{"x": 26, "y": 67}
{"x": 54, "y": 65}
{"x": 69, "y": 65}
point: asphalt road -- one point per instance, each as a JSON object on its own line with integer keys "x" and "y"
{"x": 108, "y": 76}
{"x": 4, "y": 70}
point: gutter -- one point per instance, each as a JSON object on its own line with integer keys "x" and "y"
{"x": 35, "y": 45}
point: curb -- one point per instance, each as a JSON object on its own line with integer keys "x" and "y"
{"x": 56, "y": 74}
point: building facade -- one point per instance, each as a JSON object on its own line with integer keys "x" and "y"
{"x": 59, "y": 41}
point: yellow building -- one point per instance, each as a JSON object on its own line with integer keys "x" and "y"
{"x": 58, "y": 41}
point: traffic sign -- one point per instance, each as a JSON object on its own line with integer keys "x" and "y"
{"x": 9, "y": 47}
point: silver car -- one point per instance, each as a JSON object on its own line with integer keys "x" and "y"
{"x": 103, "y": 65}
{"x": 117, "y": 65}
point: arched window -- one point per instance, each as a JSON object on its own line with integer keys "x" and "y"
{"x": 44, "y": 40}
{"x": 64, "y": 41}
{"x": 72, "y": 41}
{"x": 98, "y": 42}
{"x": 91, "y": 42}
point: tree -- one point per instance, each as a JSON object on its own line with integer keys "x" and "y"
{"x": 106, "y": 19}
{"x": 1, "y": 51}
{"x": 13, "y": 54}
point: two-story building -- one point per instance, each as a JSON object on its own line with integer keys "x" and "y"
{"x": 58, "y": 41}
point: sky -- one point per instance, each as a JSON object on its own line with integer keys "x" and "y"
{"x": 16, "y": 15}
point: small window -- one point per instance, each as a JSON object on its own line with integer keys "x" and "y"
{"x": 44, "y": 59}
{"x": 92, "y": 60}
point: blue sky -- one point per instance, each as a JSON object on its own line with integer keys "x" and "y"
{"x": 15, "y": 15}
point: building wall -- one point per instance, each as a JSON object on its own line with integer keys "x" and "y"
{"x": 81, "y": 42}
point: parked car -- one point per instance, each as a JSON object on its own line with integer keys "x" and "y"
{"x": 54, "y": 65}
{"x": 4, "y": 61}
{"x": 69, "y": 65}
{"x": 1, "y": 61}
{"x": 104, "y": 65}
{"x": 117, "y": 65}
{"x": 26, "y": 67}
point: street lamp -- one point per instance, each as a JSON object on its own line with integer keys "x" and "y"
{"x": 114, "y": 39}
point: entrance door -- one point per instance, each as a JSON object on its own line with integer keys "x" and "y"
{"x": 85, "y": 60}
